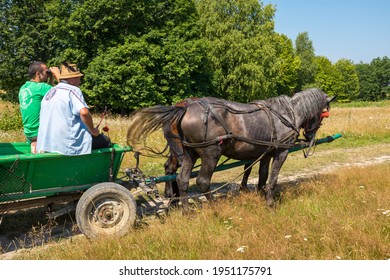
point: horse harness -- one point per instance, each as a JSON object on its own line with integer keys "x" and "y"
{"x": 285, "y": 142}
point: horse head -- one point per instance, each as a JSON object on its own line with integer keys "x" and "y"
{"x": 314, "y": 123}
{"x": 315, "y": 105}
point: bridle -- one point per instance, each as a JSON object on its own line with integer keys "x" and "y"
{"x": 310, "y": 128}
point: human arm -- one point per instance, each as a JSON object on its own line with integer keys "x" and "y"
{"x": 55, "y": 75}
{"x": 86, "y": 117}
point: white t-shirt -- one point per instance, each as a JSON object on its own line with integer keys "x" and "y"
{"x": 61, "y": 128}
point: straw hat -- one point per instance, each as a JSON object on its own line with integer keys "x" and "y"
{"x": 69, "y": 71}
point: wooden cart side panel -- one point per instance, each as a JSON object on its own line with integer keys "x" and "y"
{"x": 49, "y": 172}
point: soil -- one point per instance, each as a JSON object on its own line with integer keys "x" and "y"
{"x": 33, "y": 229}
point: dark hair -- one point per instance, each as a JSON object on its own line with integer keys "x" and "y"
{"x": 35, "y": 67}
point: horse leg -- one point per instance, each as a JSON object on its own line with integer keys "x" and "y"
{"x": 263, "y": 174}
{"x": 244, "y": 182}
{"x": 183, "y": 178}
{"x": 171, "y": 187}
{"x": 204, "y": 177}
{"x": 277, "y": 163}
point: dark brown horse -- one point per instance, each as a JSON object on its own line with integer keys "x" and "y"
{"x": 176, "y": 152}
{"x": 210, "y": 127}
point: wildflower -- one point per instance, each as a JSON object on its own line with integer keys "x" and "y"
{"x": 387, "y": 213}
{"x": 241, "y": 249}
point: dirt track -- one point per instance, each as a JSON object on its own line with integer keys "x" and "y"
{"x": 30, "y": 235}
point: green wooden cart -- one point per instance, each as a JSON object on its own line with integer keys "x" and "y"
{"x": 104, "y": 203}
{"x": 103, "y": 206}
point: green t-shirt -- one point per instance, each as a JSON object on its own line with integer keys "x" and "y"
{"x": 30, "y": 97}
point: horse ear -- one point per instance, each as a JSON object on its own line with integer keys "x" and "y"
{"x": 330, "y": 99}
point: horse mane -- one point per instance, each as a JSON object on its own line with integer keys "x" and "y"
{"x": 280, "y": 103}
{"x": 309, "y": 102}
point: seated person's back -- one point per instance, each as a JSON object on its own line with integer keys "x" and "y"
{"x": 66, "y": 124}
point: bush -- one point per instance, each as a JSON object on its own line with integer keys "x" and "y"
{"x": 10, "y": 119}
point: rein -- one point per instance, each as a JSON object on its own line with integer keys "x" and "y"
{"x": 311, "y": 129}
{"x": 103, "y": 116}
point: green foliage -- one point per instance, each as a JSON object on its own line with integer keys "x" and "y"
{"x": 23, "y": 39}
{"x": 305, "y": 51}
{"x": 326, "y": 77}
{"x": 349, "y": 80}
{"x": 139, "y": 53}
{"x": 240, "y": 36}
{"x": 10, "y": 119}
{"x": 289, "y": 64}
{"x": 339, "y": 79}
{"x": 374, "y": 79}
{"x": 369, "y": 86}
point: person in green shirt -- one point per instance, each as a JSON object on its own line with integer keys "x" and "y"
{"x": 31, "y": 95}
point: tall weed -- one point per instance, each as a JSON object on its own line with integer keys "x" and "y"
{"x": 10, "y": 119}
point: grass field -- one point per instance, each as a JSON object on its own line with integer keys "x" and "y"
{"x": 344, "y": 215}
{"x": 342, "y": 211}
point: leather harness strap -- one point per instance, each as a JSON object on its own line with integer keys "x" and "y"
{"x": 210, "y": 108}
{"x": 285, "y": 142}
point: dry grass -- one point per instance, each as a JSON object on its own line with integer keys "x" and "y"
{"x": 4, "y": 104}
{"x": 338, "y": 216}
{"x": 359, "y": 125}
{"x": 343, "y": 215}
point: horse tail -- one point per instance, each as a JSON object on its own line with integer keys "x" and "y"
{"x": 147, "y": 120}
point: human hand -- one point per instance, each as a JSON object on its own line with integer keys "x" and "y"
{"x": 54, "y": 73}
{"x": 95, "y": 132}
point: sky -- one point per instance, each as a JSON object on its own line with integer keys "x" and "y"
{"x": 358, "y": 30}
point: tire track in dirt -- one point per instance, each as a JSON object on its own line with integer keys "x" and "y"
{"x": 306, "y": 174}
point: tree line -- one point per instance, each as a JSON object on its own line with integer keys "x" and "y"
{"x": 137, "y": 53}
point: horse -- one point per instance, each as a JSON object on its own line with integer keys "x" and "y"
{"x": 260, "y": 130}
{"x": 176, "y": 151}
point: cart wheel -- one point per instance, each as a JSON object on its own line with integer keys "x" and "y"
{"x": 106, "y": 209}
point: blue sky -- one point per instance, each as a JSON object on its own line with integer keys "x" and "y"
{"x": 358, "y": 30}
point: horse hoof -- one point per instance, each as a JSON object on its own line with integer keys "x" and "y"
{"x": 244, "y": 189}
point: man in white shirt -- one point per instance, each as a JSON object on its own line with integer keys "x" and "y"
{"x": 66, "y": 125}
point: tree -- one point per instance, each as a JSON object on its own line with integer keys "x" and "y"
{"x": 326, "y": 78}
{"x": 22, "y": 22}
{"x": 339, "y": 79}
{"x": 381, "y": 69}
{"x": 305, "y": 51}
{"x": 369, "y": 86}
{"x": 349, "y": 83}
{"x": 289, "y": 64}
{"x": 241, "y": 50}
{"x": 374, "y": 79}
{"x": 135, "y": 53}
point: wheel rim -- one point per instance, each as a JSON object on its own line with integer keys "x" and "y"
{"x": 108, "y": 215}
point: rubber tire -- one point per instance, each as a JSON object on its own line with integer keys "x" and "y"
{"x": 94, "y": 220}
